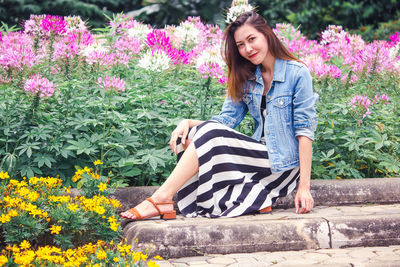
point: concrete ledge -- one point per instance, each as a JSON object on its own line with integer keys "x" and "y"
{"x": 222, "y": 236}
{"x": 325, "y": 193}
{"x": 283, "y": 230}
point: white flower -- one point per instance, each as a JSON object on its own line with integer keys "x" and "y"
{"x": 157, "y": 61}
{"x": 140, "y": 31}
{"x": 187, "y": 32}
{"x": 211, "y": 55}
{"x": 332, "y": 34}
{"x": 237, "y": 10}
{"x": 87, "y": 50}
{"x": 394, "y": 51}
{"x": 75, "y": 23}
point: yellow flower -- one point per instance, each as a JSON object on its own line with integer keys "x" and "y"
{"x": 112, "y": 219}
{"x": 13, "y": 213}
{"x": 114, "y": 226}
{"x": 137, "y": 256}
{"x": 115, "y": 259}
{"x": 5, "y": 218}
{"x": 24, "y": 258}
{"x": 25, "y": 244}
{"x": 115, "y": 203}
{"x": 4, "y": 175}
{"x": 3, "y": 260}
{"x": 73, "y": 207}
{"x": 152, "y": 264}
{"x": 55, "y": 229}
{"x": 102, "y": 187}
{"x": 101, "y": 255}
{"x": 98, "y": 162}
{"x": 99, "y": 210}
{"x": 158, "y": 257}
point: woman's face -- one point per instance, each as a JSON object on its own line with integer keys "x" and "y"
{"x": 252, "y": 44}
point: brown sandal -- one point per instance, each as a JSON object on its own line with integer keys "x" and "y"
{"x": 163, "y": 215}
{"x": 265, "y": 210}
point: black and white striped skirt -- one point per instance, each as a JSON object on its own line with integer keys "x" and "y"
{"x": 234, "y": 175}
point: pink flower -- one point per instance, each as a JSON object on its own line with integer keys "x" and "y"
{"x": 54, "y": 24}
{"x": 394, "y": 39}
{"x": 111, "y": 83}
{"x": 223, "y": 80}
{"x": 361, "y": 104}
{"x": 16, "y": 51}
{"x": 39, "y": 85}
{"x": 158, "y": 39}
{"x": 101, "y": 58}
{"x": 66, "y": 47}
{"x": 129, "y": 45}
{"x": 211, "y": 69}
{"x": 381, "y": 99}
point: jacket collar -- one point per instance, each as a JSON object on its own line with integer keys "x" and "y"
{"x": 279, "y": 72}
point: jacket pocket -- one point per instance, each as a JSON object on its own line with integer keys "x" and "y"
{"x": 283, "y": 105}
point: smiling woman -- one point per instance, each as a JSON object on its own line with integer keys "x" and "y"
{"x": 223, "y": 173}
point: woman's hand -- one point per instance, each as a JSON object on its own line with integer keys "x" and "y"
{"x": 303, "y": 201}
{"x": 181, "y": 130}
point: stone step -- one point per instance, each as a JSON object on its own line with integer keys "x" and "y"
{"x": 282, "y": 230}
{"x": 325, "y": 193}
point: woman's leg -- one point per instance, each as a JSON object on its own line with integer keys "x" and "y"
{"x": 186, "y": 167}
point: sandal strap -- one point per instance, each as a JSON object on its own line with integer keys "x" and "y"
{"x": 135, "y": 212}
{"x": 154, "y": 204}
{"x": 160, "y": 203}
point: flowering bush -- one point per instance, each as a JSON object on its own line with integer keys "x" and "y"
{"x": 42, "y": 223}
{"x": 71, "y": 96}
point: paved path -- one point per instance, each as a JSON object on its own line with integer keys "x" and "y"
{"x": 349, "y": 257}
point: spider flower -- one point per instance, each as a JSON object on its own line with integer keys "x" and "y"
{"x": 157, "y": 61}
{"x": 54, "y": 24}
{"x": 39, "y": 85}
{"x": 111, "y": 83}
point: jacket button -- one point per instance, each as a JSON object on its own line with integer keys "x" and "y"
{"x": 267, "y": 132}
{"x": 269, "y": 97}
{"x": 271, "y": 150}
{"x": 281, "y": 103}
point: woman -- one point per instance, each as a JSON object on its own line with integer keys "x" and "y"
{"x": 223, "y": 173}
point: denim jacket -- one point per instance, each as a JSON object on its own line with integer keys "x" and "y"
{"x": 290, "y": 111}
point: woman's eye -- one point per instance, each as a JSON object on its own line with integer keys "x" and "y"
{"x": 252, "y": 38}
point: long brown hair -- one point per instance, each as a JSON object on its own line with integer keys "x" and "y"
{"x": 239, "y": 68}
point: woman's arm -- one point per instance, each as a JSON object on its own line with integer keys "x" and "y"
{"x": 304, "y": 201}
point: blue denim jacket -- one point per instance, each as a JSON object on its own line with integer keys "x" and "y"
{"x": 290, "y": 111}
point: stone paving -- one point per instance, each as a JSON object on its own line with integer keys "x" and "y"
{"x": 346, "y": 257}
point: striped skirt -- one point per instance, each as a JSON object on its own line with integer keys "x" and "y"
{"x": 234, "y": 176}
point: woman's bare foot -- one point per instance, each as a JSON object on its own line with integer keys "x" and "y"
{"x": 146, "y": 209}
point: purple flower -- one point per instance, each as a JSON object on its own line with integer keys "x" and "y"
{"x": 16, "y": 52}
{"x": 158, "y": 39}
{"x": 39, "y": 85}
{"x": 394, "y": 39}
{"x": 111, "y": 83}
{"x": 211, "y": 69}
{"x": 361, "y": 104}
{"x": 54, "y": 24}
{"x": 129, "y": 45}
